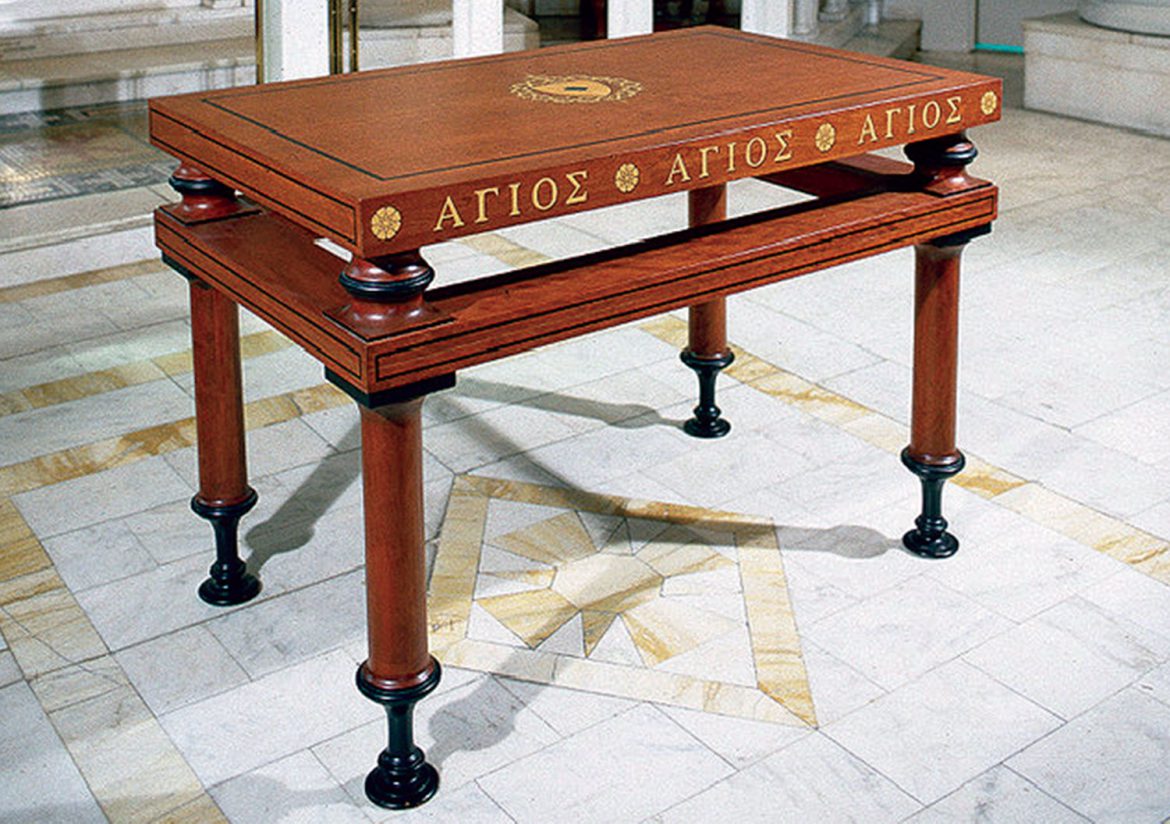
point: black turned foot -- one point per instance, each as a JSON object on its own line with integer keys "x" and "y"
{"x": 230, "y": 582}
{"x": 403, "y": 778}
{"x": 930, "y": 538}
{"x": 707, "y": 423}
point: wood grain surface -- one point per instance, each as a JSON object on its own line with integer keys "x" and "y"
{"x": 390, "y": 160}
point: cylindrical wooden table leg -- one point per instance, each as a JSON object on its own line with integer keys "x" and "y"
{"x": 399, "y": 670}
{"x": 224, "y": 495}
{"x": 707, "y": 352}
{"x": 932, "y": 455}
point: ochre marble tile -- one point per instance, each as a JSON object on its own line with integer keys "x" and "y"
{"x": 131, "y": 766}
{"x": 52, "y": 286}
{"x": 505, "y": 250}
{"x": 667, "y": 328}
{"x": 49, "y": 630}
{"x": 200, "y": 810}
{"x": 662, "y": 629}
{"x": 595, "y": 593}
{"x": 878, "y": 430}
{"x": 810, "y": 398}
{"x": 80, "y": 682}
{"x": 554, "y": 541}
{"x": 533, "y": 615}
{"x": 20, "y": 552}
{"x": 985, "y": 480}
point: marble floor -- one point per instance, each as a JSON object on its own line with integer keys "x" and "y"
{"x": 611, "y": 652}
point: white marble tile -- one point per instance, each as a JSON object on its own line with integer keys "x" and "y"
{"x": 998, "y": 796}
{"x": 235, "y": 732}
{"x": 1108, "y": 764}
{"x": 293, "y": 789}
{"x": 207, "y": 669}
{"x": 35, "y": 368}
{"x": 793, "y": 344}
{"x": 115, "y": 349}
{"x": 901, "y": 633}
{"x": 566, "y": 711}
{"x": 624, "y": 769}
{"x": 837, "y": 688}
{"x": 718, "y": 471}
{"x": 471, "y": 442}
{"x": 936, "y": 733}
{"x": 40, "y": 781}
{"x": 1156, "y": 519}
{"x": 738, "y": 741}
{"x": 1134, "y": 596}
{"x": 97, "y": 555}
{"x": 812, "y": 779}
{"x": 1017, "y": 568}
{"x": 294, "y": 626}
{"x": 1156, "y": 683}
{"x": 1141, "y": 429}
{"x": 9, "y": 670}
{"x": 270, "y": 450}
{"x": 90, "y": 499}
{"x": 41, "y": 431}
{"x": 466, "y": 733}
{"x": 564, "y": 242}
{"x": 1071, "y": 657}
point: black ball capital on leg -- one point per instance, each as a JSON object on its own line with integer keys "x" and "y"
{"x": 403, "y": 778}
{"x": 229, "y": 583}
{"x": 930, "y": 538}
{"x": 707, "y": 422}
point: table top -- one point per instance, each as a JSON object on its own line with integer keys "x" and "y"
{"x": 387, "y": 160}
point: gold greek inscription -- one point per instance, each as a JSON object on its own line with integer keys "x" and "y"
{"x": 481, "y": 202}
{"x": 449, "y": 212}
{"x": 784, "y": 152}
{"x": 514, "y": 188}
{"x": 756, "y": 142}
{"x": 579, "y": 193}
{"x": 868, "y": 130}
{"x": 954, "y": 115}
{"x": 703, "y": 152}
{"x": 678, "y": 167}
{"x": 910, "y": 118}
{"x": 554, "y": 194}
{"x": 731, "y": 156}
{"x": 890, "y": 120}
{"x": 931, "y": 114}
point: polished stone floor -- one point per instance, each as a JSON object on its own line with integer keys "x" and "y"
{"x": 608, "y": 659}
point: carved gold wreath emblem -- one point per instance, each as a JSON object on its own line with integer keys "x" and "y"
{"x": 626, "y": 178}
{"x": 575, "y": 88}
{"x": 826, "y": 137}
{"x": 989, "y": 102}
{"x": 386, "y": 222}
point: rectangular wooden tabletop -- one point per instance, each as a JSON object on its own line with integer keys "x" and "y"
{"x": 386, "y": 160}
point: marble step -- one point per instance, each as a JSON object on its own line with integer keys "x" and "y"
{"x": 135, "y": 74}
{"x": 112, "y": 31}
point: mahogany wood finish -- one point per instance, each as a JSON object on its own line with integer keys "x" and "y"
{"x": 224, "y": 495}
{"x": 514, "y": 138}
{"x": 480, "y": 127}
{"x": 707, "y": 352}
{"x": 940, "y": 168}
{"x": 399, "y": 670}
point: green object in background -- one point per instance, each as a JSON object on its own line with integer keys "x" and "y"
{"x": 1002, "y": 48}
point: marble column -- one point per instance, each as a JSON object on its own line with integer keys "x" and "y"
{"x": 804, "y": 18}
{"x": 1139, "y": 16}
{"x": 477, "y": 27}
{"x": 772, "y": 17}
{"x": 624, "y": 18}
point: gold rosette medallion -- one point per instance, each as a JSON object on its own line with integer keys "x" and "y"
{"x": 826, "y": 137}
{"x": 386, "y": 222}
{"x": 575, "y": 88}
{"x": 626, "y": 178}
